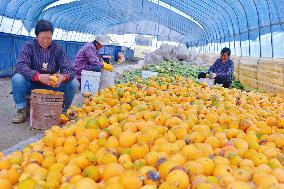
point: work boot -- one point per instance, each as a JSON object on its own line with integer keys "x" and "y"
{"x": 21, "y": 116}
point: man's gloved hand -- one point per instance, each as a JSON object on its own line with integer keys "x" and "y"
{"x": 97, "y": 68}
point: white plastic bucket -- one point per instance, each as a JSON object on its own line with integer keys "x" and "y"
{"x": 107, "y": 79}
{"x": 210, "y": 82}
{"x": 90, "y": 81}
{"x": 147, "y": 74}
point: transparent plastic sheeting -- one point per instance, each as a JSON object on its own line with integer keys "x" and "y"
{"x": 248, "y": 27}
{"x": 145, "y": 27}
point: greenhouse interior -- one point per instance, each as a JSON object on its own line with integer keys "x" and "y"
{"x": 142, "y": 94}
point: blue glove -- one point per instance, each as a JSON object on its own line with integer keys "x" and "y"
{"x": 96, "y": 68}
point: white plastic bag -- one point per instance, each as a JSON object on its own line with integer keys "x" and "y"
{"x": 152, "y": 58}
{"x": 210, "y": 82}
{"x": 182, "y": 53}
{"x": 107, "y": 79}
{"x": 166, "y": 52}
{"x": 90, "y": 81}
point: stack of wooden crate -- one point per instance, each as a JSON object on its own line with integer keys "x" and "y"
{"x": 236, "y": 60}
{"x": 263, "y": 74}
{"x": 270, "y": 75}
{"x": 248, "y": 72}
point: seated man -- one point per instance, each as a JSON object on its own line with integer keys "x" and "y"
{"x": 222, "y": 70}
{"x": 38, "y": 59}
{"x": 88, "y": 58}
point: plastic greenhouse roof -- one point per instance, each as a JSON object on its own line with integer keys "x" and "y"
{"x": 212, "y": 20}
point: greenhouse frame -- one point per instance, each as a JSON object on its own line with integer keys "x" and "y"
{"x": 141, "y": 94}
{"x": 249, "y": 28}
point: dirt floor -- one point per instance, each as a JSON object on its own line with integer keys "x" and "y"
{"x": 11, "y": 134}
{"x": 22, "y": 134}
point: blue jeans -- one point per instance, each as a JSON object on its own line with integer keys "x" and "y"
{"x": 22, "y": 88}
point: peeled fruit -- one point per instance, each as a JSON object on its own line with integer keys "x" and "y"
{"x": 92, "y": 124}
{"x": 259, "y": 158}
{"x": 81, "y": 161}
{"x": 28, "y": 184}
{"x": 69, "y": 149}
{"x": 244, "y": 175}
{"x": 62, "y": 158}
{"x": 114, "y": 186}
{"x": 103, "y": 121}
{"x": 246, "y": 163}
{"x": 71, "y": 170}
{"x": 148, "y": 187}
{"x": 130, "y": 179}
{"x": 54, "y": 80}
{"x": 238, "y": 185}
{"x": 194, "y": 167}
{"x": 5, "y": 184}
{"x": 274, "y": 163}
{"x": 92, "y": 172}
{"x": 213, "y": 141}
{"x": 48, "y": 161}
{"x": 16, "y": 160}
{"x": 179, "y": 159}
{"x": 4, "y": 163}
{"x": 86, "y": 183}
{"x": 207, "y": 165}
{"x": 127, "y": 139}
{"x": 212, "y": 179}
{"x": 165, "y": 168}
{"x": 138, "y": 164}
{"x": 152, "y": 158}
{"x": 138, "y": 151}
{"x": 108, "y": 158}
{"x": 191, "y": 152}
{"x": 222, "y": 170}
{"x": 74, "y": 179}
{"x": 265, "y": 181}
{"x": 279, "y": 174}
{"x": 167, "y": 185}
{"x": 112, "y": 142}
{"x": 226, "y": 180}
{"x": 67, "y": 186}
{"x": 112, "y": 170}
{"x": 31, "y": 168}
{"x": 120, "y": 92}
{"x": 179, "y": 178}
{"x": 13, "y": 176}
